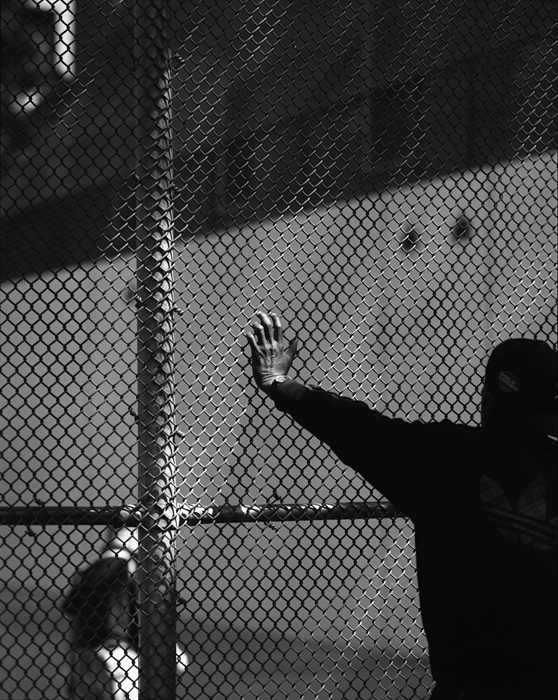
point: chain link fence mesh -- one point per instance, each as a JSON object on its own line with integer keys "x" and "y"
{"x": 382, "y": 175}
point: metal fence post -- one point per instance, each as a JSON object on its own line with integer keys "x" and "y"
{"x": 156, "y": 400}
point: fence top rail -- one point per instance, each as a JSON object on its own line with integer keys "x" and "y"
{"x": 199, "y": 515}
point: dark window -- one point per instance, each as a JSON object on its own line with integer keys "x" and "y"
{"x": 392, "y": 114}
{"x": 239, "y": 170}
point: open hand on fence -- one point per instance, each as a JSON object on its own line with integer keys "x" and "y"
{"x": 270, "y": 358}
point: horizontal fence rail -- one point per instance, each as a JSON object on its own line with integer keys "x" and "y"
{"x": 218, "y": 515}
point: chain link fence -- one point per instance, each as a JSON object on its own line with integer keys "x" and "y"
{"x": 382, "y": 175}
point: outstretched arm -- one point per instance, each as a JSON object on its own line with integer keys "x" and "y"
{"x": 331, "y": 418}
{"x": 391, "y": 454}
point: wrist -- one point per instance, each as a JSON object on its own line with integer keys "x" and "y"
{"x": 274, "y": 383}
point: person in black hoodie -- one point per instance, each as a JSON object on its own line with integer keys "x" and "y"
{"x": 483, "y": 504}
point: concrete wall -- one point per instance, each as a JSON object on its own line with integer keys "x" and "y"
{"x": 408, "y": 332}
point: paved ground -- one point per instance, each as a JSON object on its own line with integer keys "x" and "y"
{"x": 229, "y": 664}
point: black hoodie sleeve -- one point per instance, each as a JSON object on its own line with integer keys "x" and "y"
{"x": 391, "y": 454}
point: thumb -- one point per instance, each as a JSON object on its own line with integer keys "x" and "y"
{"x": 292, "y": 350}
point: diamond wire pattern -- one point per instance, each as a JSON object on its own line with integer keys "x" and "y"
{"x": 382, "y": 175}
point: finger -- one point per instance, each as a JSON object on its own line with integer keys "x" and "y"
{"x": 259, "y": 333}
{"x": 267, "y": 327}
{"x": 252, "y": 342}
{"x": 277, "y": 329}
